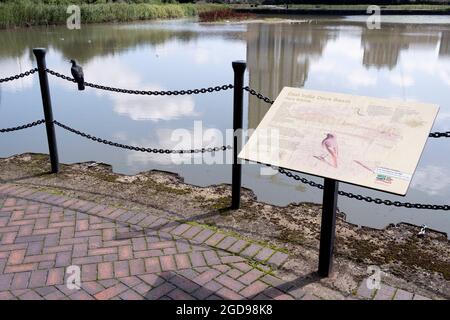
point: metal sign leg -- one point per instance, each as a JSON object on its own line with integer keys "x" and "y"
{"x": 327, "y": 231}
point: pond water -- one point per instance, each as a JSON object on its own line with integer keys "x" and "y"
{"x": 401, "y": 61}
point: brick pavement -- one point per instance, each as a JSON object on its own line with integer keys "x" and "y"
{"x": 132, "y": 255}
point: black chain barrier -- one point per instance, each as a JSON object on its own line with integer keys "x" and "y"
{"x": 364, "y": 198}
{"x": 148, "y": 93}
{"x": 18, "y": 76}
{"x": 25, "y": 126}
{"x": 148, "y": 150}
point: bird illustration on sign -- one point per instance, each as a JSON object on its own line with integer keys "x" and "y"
{"x": 331, "y": 147}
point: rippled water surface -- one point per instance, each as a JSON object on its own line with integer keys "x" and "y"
{"x": 401, "y": 61}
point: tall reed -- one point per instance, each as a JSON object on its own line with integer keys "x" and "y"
{"x": 25, "y": 13}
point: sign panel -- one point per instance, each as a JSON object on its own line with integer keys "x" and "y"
{"x": 370, "y": 142}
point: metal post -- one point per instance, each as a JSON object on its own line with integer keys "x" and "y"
{"x": 47, "y": 104}
{"x": 327, "y": 231}
{"x": 238, "y": 116}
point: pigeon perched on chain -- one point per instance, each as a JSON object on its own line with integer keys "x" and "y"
{"x": 78, "y": 75}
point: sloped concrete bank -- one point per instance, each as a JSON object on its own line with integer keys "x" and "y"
{"x": 415, "y": 264}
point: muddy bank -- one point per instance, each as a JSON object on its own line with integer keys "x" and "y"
{"x": 418, "y": 264}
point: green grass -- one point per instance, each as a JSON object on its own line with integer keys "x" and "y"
{"x": 25, "y": 13}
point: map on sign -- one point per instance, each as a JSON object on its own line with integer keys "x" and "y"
{"x": 365, "y": 141}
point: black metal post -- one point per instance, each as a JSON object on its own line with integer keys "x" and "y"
{"x": 47, "y": 104}
{"x": 327, "y": 231}
{"x": 238, "y": 117}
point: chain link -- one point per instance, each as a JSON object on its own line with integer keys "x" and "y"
{"x": 25, "y": 126}
{"x": 18, "y": 76}
{"x": 258, "y": 95}
{"x": 148, "y": 93}
{"x": 148, "y": 150}
{"x": 440, "y": 134}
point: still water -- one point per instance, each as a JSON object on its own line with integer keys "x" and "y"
{"x": 400, "y": 61}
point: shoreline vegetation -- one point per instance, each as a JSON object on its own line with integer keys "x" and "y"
{"x": 27, "y": 13}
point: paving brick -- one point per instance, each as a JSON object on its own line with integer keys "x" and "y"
{"x": 211, "y": 257}
{"x": 16, "y": 257}
{"x": 385, "y": 292}
{"x": 89, "y": 272}
{"x": 81, "y": 295}
{"x": 206, "y": 276}
{"x": 159, "y": 291}
{"x": 121, "y": 269}
{"x": 203, "y": 235}
{"x": 92, "y": 287}
{"x": 276, "y": 294}
{"x": 182, "y": 261}
{"x": 30, "y": 295}
{"x": 264, "y": 254}
{"x": 152, "y": 265}
{"x": 102, "y": 251}
{"x": 234, "y": 273}
{"x": 278, "y": 259}
{"x": 20, "y": 280}
{"x": 161, "y": 245}
{"x": 131, "y": 281}
{"x": 231, "y": 259}
{"x": 139, "y": 244}
{"x": 253, "y": 289}
{"x": 420, "y": 297}
{"x": 250, "y": 276}
{"x": 38, "y": 278}
{"x": 87, "y": 260}
{"x": 57, "y": 249}
{"x": 63, "y": 259}
{"x": 21, "y": 268}
{"x": 111, "y": 292}
{"x": 192, "y": 232}
{"x": 178, "y": 294}
{"x": 403, "y": 295}
{"x": 251, "y": 250}
{"x": 167, "y": 263}
{"x": 215, "y": 239}
{"x": 40, "y": 258}
{"x": 244, "y": 267}
{"x": 105, "y": 270}
{"x": 228, "y": 294}
{"x": 197, "y": 259}
{"x": 238, "y": 246}
{"x": 148, "y": 253}
{"x": 185, "y": 284}
{"x": 364, "y": 291}
{"x": 230, "y": 282}
{"x": 55, "y": 276}
{"x": 125, "y": 252}
{"x": 226, "y": 243}
{"x": 5, "y": 295}
{"x": 8, "y": 238}
{"x": 131, "y": 295}
{"x": 137, "y": 266}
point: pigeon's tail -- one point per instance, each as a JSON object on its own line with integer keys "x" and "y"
{"x": 81, "y": 86}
